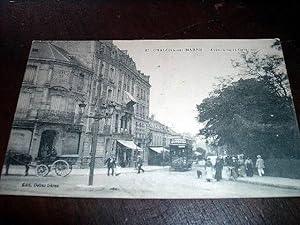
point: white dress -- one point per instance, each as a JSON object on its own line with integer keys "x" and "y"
{"x": 209, "y": 173}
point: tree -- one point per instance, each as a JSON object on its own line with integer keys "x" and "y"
{"x": 267, "y": 68}
{"x": 248, "y": 117}
{"x": 255, "y": 114}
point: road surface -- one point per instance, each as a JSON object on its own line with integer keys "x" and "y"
{"x": 151, "y": 184}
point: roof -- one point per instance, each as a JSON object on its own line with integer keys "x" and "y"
{"x": 47, "y": 50}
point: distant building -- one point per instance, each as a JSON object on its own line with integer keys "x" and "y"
{"x": 60, "y": 76}
{"x": 161, "y": 136}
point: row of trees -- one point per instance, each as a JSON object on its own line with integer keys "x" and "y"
{"x": 253, "y": 112}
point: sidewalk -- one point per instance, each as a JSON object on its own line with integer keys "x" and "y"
{"x": 278, "y": 182}
{"x": 103, "y": 170}
{"x": 20, "y": 170}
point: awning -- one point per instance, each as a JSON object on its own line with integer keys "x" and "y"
{"x": 129, "y": 144}
{"x": 159, "y": 149}
{"x": 197, "y": 153}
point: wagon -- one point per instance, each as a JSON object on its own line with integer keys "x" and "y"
{"x": 43, "y": 166}
{"x": 58, "y": 166}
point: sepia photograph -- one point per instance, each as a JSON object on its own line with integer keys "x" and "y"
{"x": 166, "y": 119}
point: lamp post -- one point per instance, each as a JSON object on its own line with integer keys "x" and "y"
{"x": 106, "y": 111}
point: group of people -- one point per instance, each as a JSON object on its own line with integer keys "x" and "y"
{"x": 238, "y": 167}
{"x": 113, "y": 167}
{"x": 209, "y": 169}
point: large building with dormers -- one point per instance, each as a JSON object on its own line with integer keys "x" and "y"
{"x": 65, "y": 83}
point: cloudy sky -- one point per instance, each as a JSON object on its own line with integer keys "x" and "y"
{"x": 183, "y": 72}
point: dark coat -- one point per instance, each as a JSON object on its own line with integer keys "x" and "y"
{"x": 111, "y": 163}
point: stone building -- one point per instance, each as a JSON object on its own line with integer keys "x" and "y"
{"x": 47, "y": 113}
{"x": 125, "y": 86}
{"x": 161, "y": 136}
{"x": 65, "y": 83}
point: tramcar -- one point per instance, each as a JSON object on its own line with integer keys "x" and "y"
{"x": 181, "y": 154}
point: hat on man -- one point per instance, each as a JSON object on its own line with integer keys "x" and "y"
{"x": 258, "y": 156}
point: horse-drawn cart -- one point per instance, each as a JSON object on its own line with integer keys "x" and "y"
{"x": 55, "y": 164}
{"x": 59, "y": 166}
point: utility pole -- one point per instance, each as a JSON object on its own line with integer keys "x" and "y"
{"x": 95, "y": 130}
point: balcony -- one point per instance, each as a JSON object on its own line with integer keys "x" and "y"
{"x": 54, "y": 116}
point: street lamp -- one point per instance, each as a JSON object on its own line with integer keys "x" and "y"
{"x": 106, "y": 111}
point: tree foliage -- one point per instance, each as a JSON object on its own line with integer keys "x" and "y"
{"x": 253, "y": 115}
{"x": 267, "y": 68}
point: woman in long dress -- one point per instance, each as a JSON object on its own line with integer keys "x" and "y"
{"x": 219, "y": 168}
{"x": 209, "y": 170}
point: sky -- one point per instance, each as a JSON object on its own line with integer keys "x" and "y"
{"x": 183, "y": 73}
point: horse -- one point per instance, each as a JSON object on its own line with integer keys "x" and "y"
{"x": 17, "y": 158}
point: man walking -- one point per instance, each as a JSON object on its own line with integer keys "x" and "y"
{"x": 111, "y": 163}
{"x": 249, "y": 167}
{"x": 139, "y": 164}
{"x": 260, "y": 165}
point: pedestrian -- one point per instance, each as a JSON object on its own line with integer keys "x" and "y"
{"x": 234, "y": 166}
{"x": 219, "y": 168}
{"x": 260, "y": 165}
{"x": 140, "y": 164}
{"x": 111, "y": 163}
{"x": 242, "y": 167}
{"x": 209, "y": 170}
{"x": 249, "y": 167}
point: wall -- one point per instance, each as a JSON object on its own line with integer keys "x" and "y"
{"x": 19, "y": 140}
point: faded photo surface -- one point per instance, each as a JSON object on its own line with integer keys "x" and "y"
{"x": 154, "y": 119}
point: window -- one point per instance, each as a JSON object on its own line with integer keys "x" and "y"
{"x": 58, "y": 103}
{"x": 111, "y": 74}
{"x": 24, "y": 101}
{"x": 116, "y": 123}
{"x": 80, "y": 83}
{"x": 94, "y": 92}
{"x": 109, "y": 94}
{"x": 132, "y": 87}
{"x": 30, "y": 74}
{"x": 102, "y": 68}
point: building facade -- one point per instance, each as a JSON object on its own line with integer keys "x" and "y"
{"x": 161, "y": 136}
{"x": 67, "y": 83}
{"x": 47, "y": 113}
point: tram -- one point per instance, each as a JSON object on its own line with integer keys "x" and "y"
{"x": 181, "y": 154}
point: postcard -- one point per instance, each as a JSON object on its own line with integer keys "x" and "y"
{"x": 165, "y": 119}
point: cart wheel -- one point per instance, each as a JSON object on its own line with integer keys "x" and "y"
{"x": 42, "y": 170}
{"x": 70, "y": 169}
{"x": 61, "y": 168}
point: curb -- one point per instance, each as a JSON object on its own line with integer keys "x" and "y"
{"x": 268, "y": 184}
